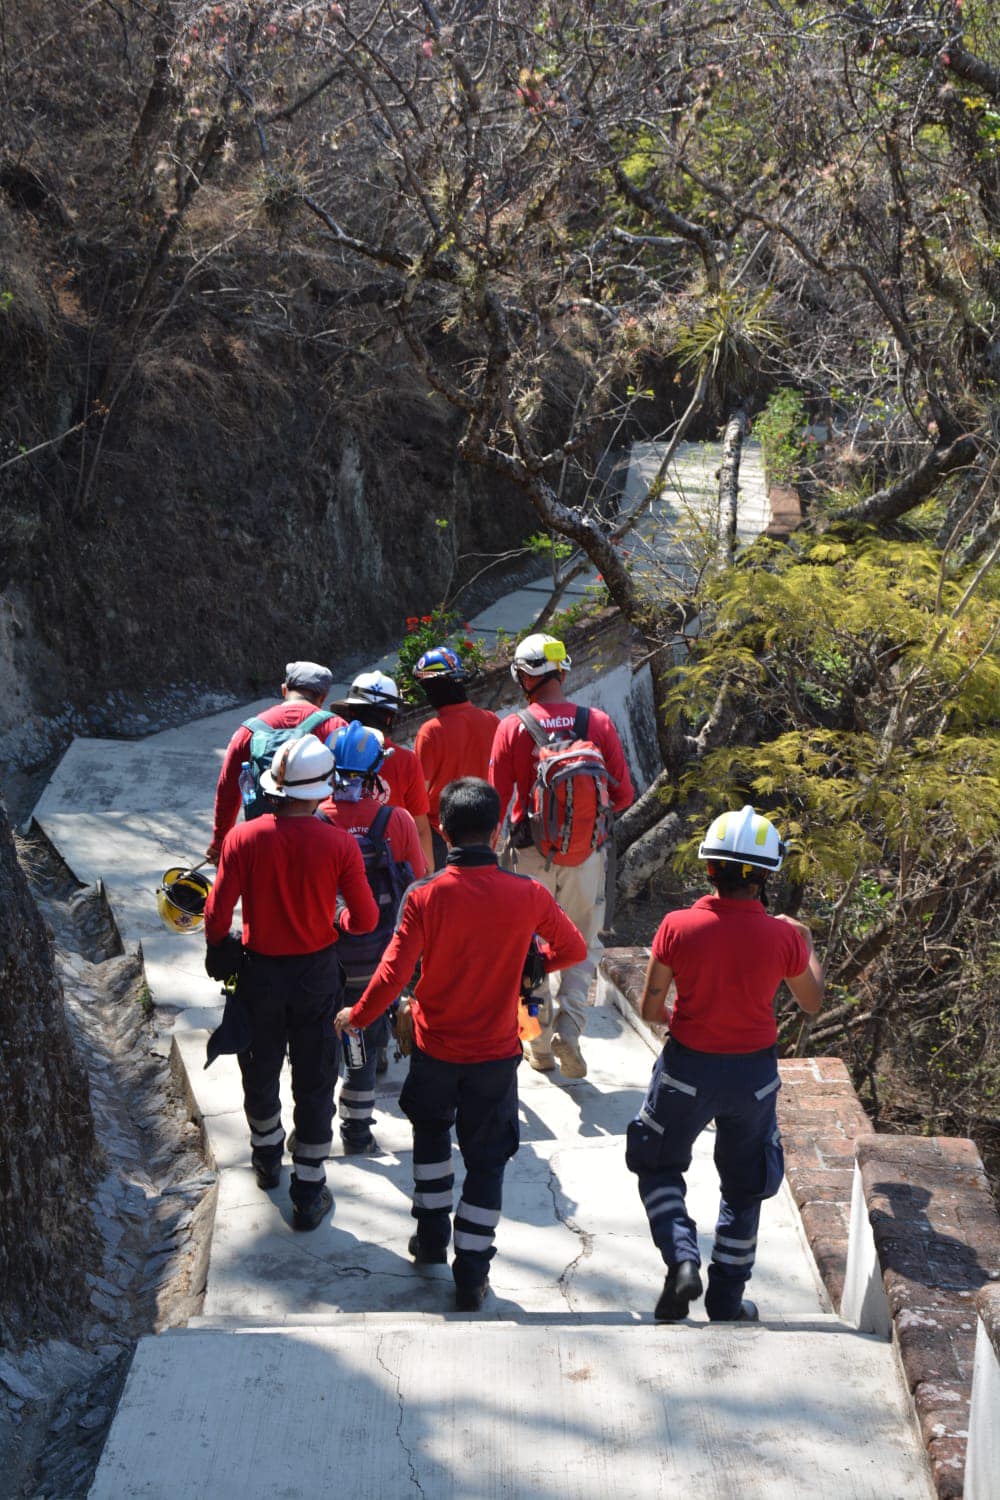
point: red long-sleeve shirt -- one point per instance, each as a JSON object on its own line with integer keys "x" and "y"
{"x": 288, "y": 871}
{"x": 400, "y": 831}
{"x": 470, "y": 924}
{"x": 402, "y": 775}
{"x": 284, "y": 715}
{"x": 456, "y": 742}
{"x": 512, "y": 762}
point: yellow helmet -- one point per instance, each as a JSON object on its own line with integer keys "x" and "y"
{"x": 180, "y": 899}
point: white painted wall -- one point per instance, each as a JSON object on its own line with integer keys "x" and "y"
{"x": 864, "y": 1304}
{"x": 982, "y": 1458}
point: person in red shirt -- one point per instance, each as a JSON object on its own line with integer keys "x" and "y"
{"x": 726, "y": 956}
{"x": 355, "y": 806}
{"x": 288, "y": 868}
{"x": 303, "y": 692}
{"x": 457, "y": 740}
{"x": 539, "y": 666}
{"x": 374, "y": 701}
{"x": 471, "y": 925}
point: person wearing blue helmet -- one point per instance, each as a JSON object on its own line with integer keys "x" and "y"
{"x": 457, "y": 741}
{"x": 390, "y": 846}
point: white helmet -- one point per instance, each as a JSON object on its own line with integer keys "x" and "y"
{"x": 374, "y": 687}
{"x": 539, "y": 655}
{"x": 743, "y": 838}
{"x": 301, "y": 769}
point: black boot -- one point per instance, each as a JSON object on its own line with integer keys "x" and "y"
{"x": 747, "y": 1314}
{"x": 682, "y": 1285}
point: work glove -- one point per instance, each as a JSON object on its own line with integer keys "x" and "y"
{"x": 223, "y": 959}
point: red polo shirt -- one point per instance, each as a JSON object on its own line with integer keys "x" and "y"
{"x": 512, "y": 762}
{"x": 288, "y": 873}
{"x": 470, "y": 924}
{"x": 284, "y": 715}
{"x": 728, "y": 958}
{"x": 456, "y": 742}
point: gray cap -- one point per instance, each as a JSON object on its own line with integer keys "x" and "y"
{"x": 308, "y": 677}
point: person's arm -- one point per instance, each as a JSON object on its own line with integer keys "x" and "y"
{"x": 653, "y": 1005}
{"x": 809, "y": 986}
{"x": 621, "y": 791}
{"x": 423, "y": 823}
{"x": 563, "y": 944}
{"x": 360, "y": 910}
{"x": 394, "y": 972}
{"x": 404, "y": 842}
{"x": 227, "y": 792}
{"x": 501, "y": 774}
{"x": 222, "y": 899}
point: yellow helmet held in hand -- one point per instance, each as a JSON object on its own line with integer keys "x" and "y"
{"x": 180, "y": 899}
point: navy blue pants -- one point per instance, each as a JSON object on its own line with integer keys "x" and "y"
{"x": 291, "y": 1003}
{"x": 480, "y": 1100}
{"x": 686, "y": 1092}
{"x": 356, "y": 1104}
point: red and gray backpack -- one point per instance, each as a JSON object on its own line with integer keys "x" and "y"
{"x": 569, "y": 810}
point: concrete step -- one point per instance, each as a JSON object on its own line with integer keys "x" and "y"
{"x": 459, "y": 1409}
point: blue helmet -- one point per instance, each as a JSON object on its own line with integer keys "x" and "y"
{"x": 440, "y": 662}
{"x": 357, "y": 750}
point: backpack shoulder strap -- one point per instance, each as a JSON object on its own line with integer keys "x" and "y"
{"x": 310, "y": 722}
{"x": 581, "y": 723}
{"x": 378, "y": 825}
{"x": 533, "y": 727}
{"x": 257, "y": 726}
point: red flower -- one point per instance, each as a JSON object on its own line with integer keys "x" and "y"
{"x": 427, "y": 619}
{"x": 412, "y": 622}
{"x": 599, "y": 577}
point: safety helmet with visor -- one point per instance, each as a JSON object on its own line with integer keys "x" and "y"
{"x": 374, "y": 687}
{"x": 440, "y": 662}
{"x": 301, "y": 769}
{"x": 539, "y": 656}
{"x": 744, "y": 838}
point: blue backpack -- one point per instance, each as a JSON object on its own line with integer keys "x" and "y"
{"x": 359, "y": 953}
{"x": 265, "y": 741}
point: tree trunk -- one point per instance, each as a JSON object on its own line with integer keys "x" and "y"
{"x": 729, "y": 486}
{"x": 47, "y": 1147}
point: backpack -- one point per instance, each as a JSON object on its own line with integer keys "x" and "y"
{"x": 265, "y": 741}
{"x": 569, "y": 811}
{"x": 359, "y": 953}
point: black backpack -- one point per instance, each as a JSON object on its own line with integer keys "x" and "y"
{"x": 359, "y": 953}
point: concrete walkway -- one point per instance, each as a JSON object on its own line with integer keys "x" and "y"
{"x": 328, "y": 1363}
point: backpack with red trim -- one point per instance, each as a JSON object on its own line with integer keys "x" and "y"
{"x": 569, "y": 809}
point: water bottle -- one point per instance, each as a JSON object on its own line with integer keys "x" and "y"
{"x": 247, "y": 789}
{"x": 354, "y": 1047}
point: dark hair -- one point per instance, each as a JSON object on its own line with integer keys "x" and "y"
{"x": 729, "y": 880}
{"x": 469, "y": 810}
{"x": 441, "y": 691}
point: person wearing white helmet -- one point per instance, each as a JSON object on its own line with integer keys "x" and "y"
{"x": 288, "y": 869}
{"x": 303, "y": 692}
{"x": 539, "y": 667}
{"x": 374, "y": 700}
{"x": 726, "y": 957}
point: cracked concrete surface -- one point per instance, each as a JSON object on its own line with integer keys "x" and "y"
{"x": 329, "y": 1362}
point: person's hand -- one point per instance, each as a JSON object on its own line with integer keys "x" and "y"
{"x": 212, "y": 854}
{"x": 794, "y": 922}
{"x": 342, "y": 1020}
